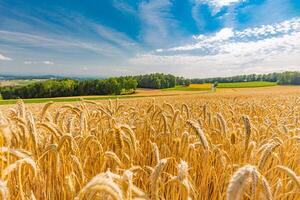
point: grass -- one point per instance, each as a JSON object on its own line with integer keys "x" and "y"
{"x": 73, "y": 99}
{"x": 185, "y": 88}
{"x": 62, "y": 99}
{"x": 207, "y": 86}
{"x": 247, "y": 84}
{"x": 95, "y": 98}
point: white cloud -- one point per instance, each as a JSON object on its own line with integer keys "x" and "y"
{"x": 267, "y": 30}
{"x": 214, "y": 5}
{"x": 51, "y": 42}
{"x": 223, "y": 34}
{"x": 47, "y": 62}
{"x": 124, "y": 7}
{"x": 218, "y": 4}
{"x": 222, "y": 64}
{"x": 229, "y": 36}
{"x": 114, "y": 37}
{"x": 221, "y": 3}
{"x": 158, "y": 22}
{"x": 28, "y": 62}
{"x": 258, "y": 50}
{"x": 98, "y": 38}
{"x": 205, "y": 41}
{"x": 5, "y": 58}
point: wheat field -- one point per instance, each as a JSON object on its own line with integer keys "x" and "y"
{"x": 201, "y": 86}
{"x": 242, "y": 146}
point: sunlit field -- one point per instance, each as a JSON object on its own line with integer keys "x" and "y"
{"x": 253, "y": 84}
{"x": 204, "y": 146}
{"x": 208, "y": 86}
{"x": 150, "y": 100}
{"x": 191, "y": 87}
{"x": 201, "y": 86}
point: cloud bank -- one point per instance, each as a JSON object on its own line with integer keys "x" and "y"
{"x": 259, "y": 49}
{"x": 5, "y": 58}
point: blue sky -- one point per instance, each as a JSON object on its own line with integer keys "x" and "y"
{"x": 192, "y": 38}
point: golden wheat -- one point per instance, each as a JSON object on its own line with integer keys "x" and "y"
{"x": 242, "y": 146}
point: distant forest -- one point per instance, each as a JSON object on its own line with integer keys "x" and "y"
{"x": 128, "y": 84}
{"x": 72, "y": 87}
{"x": 284, "y": 78}
{"x": 69, "y": 87}
{"x": 160, "y": 81}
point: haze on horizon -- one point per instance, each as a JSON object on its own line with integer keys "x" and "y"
{"x": 191, "y": 38}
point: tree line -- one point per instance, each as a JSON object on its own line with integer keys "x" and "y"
{"x": 70, "y": 87}
{"x": 284, "y": 78}
{"x": 128, "y": 84}
{"x": 160, "y": 81}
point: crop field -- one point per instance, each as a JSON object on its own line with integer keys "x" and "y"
{"x": 207, "y": 86}
{"x": 201, "y": 86}
{"x": 185, "y": 88}
{"x": 191, "y": 87}
{"x": 247, "y": 84}
{"x": 18, "y": 82}
{"x": 63, "y": 99}
{"x": 138, "y": 94}
{"x": 242, "y": 145}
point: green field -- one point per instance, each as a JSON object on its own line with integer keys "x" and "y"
{"x": 185, "y": 88}
{"x": 177, "y": 88}
{"x": 247, "y": 84}
{"x": 73, "y": 99}
{"x": 222, "y": 85}
{"x": 61, "y": 99}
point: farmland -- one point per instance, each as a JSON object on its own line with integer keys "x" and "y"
{"x": 253, "y": 84}
{"x": 150, "y": 100}
{"x": 14, "y": 83}
{"x": 241, "y": 143}
{"x": 4, "y": 83}
{"x": 178, "y": 90}
{"x": 191, "y": 87}
{"x": 208, "y": 86}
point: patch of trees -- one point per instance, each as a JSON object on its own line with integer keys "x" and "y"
{"x": 156, "y": 81}
{"x": 69, "y": 87}
{"x": 289, "y": 78}
{"x": 284, "y": 78}
{"x": 160, "y": 81}
{"x": 183, "y": 81}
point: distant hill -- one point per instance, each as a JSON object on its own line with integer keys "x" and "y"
{"x": 30, "y": 77}
{"x": 19, "y": 77}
